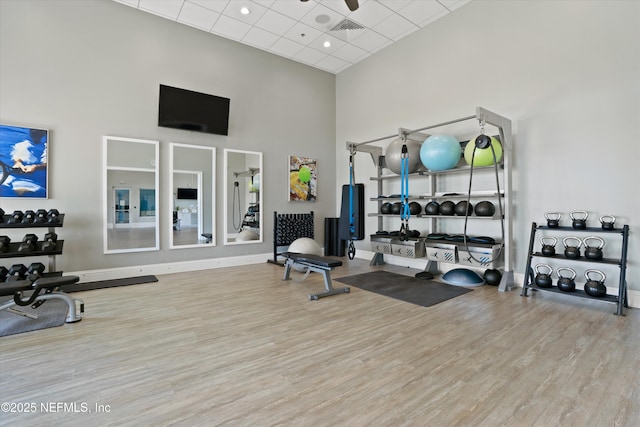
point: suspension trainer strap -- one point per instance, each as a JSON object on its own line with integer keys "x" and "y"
{"x": 404, "y": 193}
{"x": 351, "y": 252}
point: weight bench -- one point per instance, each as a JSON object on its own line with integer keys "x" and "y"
{"x": 316, "y": 263}
{"x": 35, "y": 292}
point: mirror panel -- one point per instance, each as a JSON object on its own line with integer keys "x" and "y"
{"x": 242, "y": 197}
{"x": 130, "y": 195}
{"x": 192, "y": 185}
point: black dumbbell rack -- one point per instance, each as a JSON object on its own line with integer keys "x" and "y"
{"x": 620, "y": 300}
{"x": 13, "y": 251}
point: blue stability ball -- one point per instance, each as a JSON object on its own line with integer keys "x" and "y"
{"x": 440, "y": 152}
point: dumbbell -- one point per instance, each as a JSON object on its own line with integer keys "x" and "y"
{"x": 28, "y": 217}
{"x": 16, "y": 272}
{"x": 1, "y": 215}
{"x": 41, "y": 216}
{"x": 28, "y": 243}
{"x": 3, "y": 273}
{"x": 52, "y": 216}
{"x": 4, "y": 243}
{"x": 15, "y": 218}
{"x": 35, "y": 270}
{"x": 49, "y": 242}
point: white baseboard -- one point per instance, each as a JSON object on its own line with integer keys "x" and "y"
{"x": 633, "y": 297}
{"x": 168, "y": 268}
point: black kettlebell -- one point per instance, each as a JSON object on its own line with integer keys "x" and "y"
{"x": 432, "y": 208}
{"x": 485, "y": 208}
{"x": 607, "y": 222}
{"x": 593, "y": 252}
{"x": 385, "y": 208}
{"x": 447, "y": 208}
{"x": 543, "y": 280}
{"x": 548, "y": 249}
{"x": 595, "y": 288}
{"x": 492, "y": 276}
{"x": 566, "y": 283}
{"x": 572, "y": 252}
{"x": 553, "y": 219}
{"x": 463, "y": 208}
{"x": 579, "y": 219}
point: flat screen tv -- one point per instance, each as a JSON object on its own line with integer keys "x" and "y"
{"x": 189, "y": 110}
{"x": 188, "y": 193}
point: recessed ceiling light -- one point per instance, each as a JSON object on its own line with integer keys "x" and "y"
{"x": 327, "y": 43}
{"x": 323, "y": 19}
{"x": 245, "y": 10}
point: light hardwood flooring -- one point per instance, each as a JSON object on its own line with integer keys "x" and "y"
{"x": 240, "y": 347}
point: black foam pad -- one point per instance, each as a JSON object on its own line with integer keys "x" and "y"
{"x": 358, "y": 213}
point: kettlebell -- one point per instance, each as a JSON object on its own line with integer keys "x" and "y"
{"x": 572, "y": 252}
{"x": 548, "y": 249}
{"x": 595, "y": 288}
{"x": 593, "y": 252}
{"x": 607, "y": 222}
{"x": 543, "y": 280}
{"x": 553, "y": 219}
{"x": 566, "y": 283}
{"x": 579, "y": 219}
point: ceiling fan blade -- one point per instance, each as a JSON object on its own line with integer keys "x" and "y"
{"x": 352, "y": 4}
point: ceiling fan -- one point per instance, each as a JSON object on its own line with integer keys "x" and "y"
{"x": 351, "y": 4}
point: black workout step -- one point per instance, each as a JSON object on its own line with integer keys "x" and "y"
{"x": 5, "y": 224}
{"x": 13, "y": 250}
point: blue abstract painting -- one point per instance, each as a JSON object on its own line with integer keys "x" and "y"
{"x": 23, "y": 162}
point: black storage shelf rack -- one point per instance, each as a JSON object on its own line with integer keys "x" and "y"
{"x": 12, "y": 252}
{"x": 620, "y": 300}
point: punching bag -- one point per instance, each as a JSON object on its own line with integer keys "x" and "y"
{"x": 358, "y": 213}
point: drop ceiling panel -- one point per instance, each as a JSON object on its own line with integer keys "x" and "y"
{"x": 298, "y": 29}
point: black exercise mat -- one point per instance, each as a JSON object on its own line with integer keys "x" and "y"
{"x": 90, "y": 286}
{"x": 405, "y": 288}
{"x": 50, "y": 314}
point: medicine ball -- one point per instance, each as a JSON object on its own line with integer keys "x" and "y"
{"x": 463, "y": 208}
{"x": 415, "y": 208}
{"x": 485, "y": 208}
{"x": 447, "y": 208}
{"x": 492, "y": 276}
{"x": 385, "y": 208}
{"x": 432, "y": 208}
{"x": 396, "y": 208}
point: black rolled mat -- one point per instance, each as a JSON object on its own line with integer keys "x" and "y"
{"x": 405, "y": 288}
{"x": 113, "y": 283}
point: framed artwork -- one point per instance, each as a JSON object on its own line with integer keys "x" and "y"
{"x": 23, "y": 162}
{"x": 303, "y": 179}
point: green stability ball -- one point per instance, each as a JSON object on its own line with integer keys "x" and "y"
{"x": 483, "y": 156}
{"x": 304, "y": 174}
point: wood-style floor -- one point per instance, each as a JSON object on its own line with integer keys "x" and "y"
{"x": 239, "y": 347}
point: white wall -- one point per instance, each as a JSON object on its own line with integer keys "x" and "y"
{"x": 567, "y": 73}
{"x": 84, "y": 69}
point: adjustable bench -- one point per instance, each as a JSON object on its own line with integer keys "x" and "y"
{"x": 36, "y": 292}
{"x": 316, "y": 263}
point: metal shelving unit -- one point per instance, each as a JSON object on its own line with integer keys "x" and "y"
{"x": 483, "y": 116}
